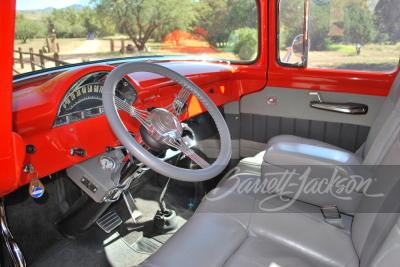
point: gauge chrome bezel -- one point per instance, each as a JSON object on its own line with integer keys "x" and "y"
{"x": 84, "y": 114}
{"x": 104, "y": 167}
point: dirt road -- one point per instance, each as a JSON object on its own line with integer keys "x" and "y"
{"x": 89, "y": 46}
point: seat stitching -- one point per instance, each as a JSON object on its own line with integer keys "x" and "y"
{"x": 251, "y": 214}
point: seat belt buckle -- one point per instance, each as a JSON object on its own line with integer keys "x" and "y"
{"x": 332, "y": 216}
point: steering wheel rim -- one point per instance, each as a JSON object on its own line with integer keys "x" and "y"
{"x": 141, "y": 153}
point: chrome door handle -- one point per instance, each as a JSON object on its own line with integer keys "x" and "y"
{"x": 347, "y": 108}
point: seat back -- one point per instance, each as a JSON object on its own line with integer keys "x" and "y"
{"x": 383, "y": 126}
{"x": 376, "y": 224}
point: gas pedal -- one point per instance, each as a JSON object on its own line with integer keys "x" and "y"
{"x": 109, "y": 222}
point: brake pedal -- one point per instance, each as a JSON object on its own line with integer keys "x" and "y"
{"x": 109, "y": 222}
{"x": 132, "y": 208}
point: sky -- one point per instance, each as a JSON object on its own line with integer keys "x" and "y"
{"x": 40, "y": 4}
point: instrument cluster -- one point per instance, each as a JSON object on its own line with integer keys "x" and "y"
{"x": 83, "y": 99}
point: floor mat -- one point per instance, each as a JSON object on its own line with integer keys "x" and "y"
{"x": 94, "y": 249}
{"x": 31, "y": 221}
{"x": 128, "y": 245}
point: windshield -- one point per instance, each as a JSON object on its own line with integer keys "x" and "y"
{"x": 71, "y": 31}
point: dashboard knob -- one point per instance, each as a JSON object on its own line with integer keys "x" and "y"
{"x": 30, "y": 149}
{"x": 78, "y": 151}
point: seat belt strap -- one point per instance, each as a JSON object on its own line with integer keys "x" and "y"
{"x": 332, "y": 216}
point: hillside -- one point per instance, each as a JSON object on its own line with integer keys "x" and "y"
{"x": 38, "y": 13}
{"x": 34, "y": 14}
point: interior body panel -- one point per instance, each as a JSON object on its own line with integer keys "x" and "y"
{"x": 293, "y": 115}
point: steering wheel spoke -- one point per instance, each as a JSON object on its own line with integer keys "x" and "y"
{"x": 178, "y": 106}
{"x": 179, "y": 144}
{"x": 140, "y": 115}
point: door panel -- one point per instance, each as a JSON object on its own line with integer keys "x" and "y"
{"x": 293, "y": 115}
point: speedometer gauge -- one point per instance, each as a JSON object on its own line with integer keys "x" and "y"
{"x": 83, "y": 99}
{"x": 106, "y": 163}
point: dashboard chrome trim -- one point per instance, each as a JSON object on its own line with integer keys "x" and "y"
{"x": 85, "y": 114}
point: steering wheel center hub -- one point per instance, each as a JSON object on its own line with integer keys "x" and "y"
{"x": 164, "y": 125}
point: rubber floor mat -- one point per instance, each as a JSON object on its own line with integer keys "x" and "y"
{"x": 94, "y": 249}
{"x": 146, "y": 245}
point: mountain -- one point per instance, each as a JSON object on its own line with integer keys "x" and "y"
{"x": 75, "y": 6}
{"x": 37, "y": 14}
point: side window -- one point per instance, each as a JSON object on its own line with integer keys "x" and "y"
{"x": 358, "y": 35}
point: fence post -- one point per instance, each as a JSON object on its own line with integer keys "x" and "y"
{"x": 31, "y": 58}
{"x": 58, "y": 48}
{"x": 56, "y": 58}
{"x": 112, "y": 45}
{"x": 21, "y": 58}
{"x": 123, "y": 46}
{"x": 41, "y": 59}
{"x": 48, "y": 45}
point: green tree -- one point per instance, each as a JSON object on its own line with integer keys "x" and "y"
{"x": 291, "y": 20}
{"x": 220, "y": 18}
{"x": 319, "y": 25}
{"x": 25, "y": 29}
{"x": 90, "y": 20}
{"x": 243, "y": 40}
{"x": 78, "y": 31}
{"x": 358, "y": 23}
{"x": 62, "y": 28}
{"x": 141, "y": 17}
{"x": 387, "y": 20}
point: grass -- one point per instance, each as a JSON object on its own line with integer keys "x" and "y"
{"x": 341, "y": 48}
{"x": 373, "y": 57}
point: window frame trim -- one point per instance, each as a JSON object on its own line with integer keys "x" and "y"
{"x": 303, "y": 63}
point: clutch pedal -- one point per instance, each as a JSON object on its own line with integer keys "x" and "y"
{"x": 109, "y": 222}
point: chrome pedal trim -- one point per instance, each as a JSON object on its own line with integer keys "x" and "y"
{"x": 109, "y": 222}
{"x": 15, "y": 253}
{"x": 135, "y": 213}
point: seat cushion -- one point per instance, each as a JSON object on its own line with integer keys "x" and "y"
{"x": 300, "y": 140}
{"x": 256, "y": 252}
{"x": 232, "y": 229}
{"x": 248, "y": 166}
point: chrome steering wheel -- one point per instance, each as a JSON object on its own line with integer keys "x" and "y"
{"x": 163, "y": 124}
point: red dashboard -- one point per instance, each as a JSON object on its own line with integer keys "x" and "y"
{"x": 36, "y": 103}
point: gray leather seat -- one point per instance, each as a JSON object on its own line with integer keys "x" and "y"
{"x": 376, "y": 145}
{"x": 241, "y": 223}
{"x": 234, "y": 227}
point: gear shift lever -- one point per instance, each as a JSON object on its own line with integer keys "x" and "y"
{"x": 165, "y": 220}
